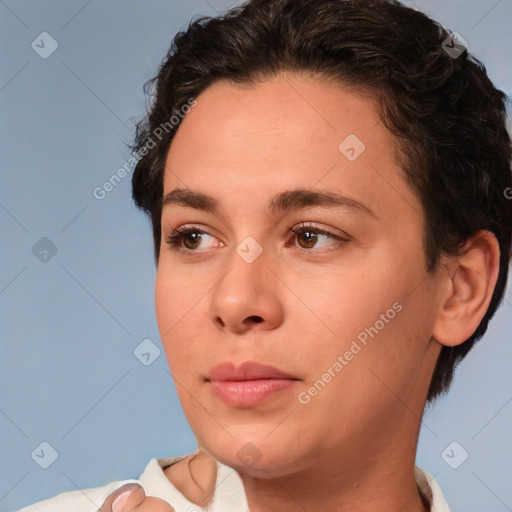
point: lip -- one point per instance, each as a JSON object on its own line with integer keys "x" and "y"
{"x": 249, "y": 384}
{"x": 248, "y": 370}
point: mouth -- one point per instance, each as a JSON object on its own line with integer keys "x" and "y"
{"x": 249, "y": 384}
{"x": 249, "y": 370}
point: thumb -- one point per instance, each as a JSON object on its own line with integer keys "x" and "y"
{"x": 125, "y": 498}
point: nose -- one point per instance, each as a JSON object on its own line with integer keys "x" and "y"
{"x": 247, "y": 296}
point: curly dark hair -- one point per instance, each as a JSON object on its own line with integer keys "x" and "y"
{"x": 448, "y": 118}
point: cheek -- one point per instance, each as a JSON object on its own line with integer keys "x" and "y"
{"x": 337, "y": 304}
{"x": 371, "y": 306}
{"x": 174, "y": 307}
{"x": 166, "y": 305}
{"x": 177, "y": 296}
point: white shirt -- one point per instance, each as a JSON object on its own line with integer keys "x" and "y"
{"x": 229, "y": 494}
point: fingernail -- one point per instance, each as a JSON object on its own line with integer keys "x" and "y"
{"x": 120, "y": 502}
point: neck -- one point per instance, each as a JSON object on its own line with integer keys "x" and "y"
{"x": 375, "y": 476}
{"x": 328, "y": 491}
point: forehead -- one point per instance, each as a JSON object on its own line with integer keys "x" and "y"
{"x": 284, "y": 112}
{"x": 285, "y": 133}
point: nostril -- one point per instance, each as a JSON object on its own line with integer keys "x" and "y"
{"x": 256, "y": 319}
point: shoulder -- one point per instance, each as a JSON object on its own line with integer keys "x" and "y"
{"x": 84, "y": 500}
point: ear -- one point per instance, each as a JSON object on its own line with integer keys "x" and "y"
{"x": 469, "y": 285}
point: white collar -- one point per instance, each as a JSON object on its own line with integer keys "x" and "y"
{"x": 229, "y": 494}
{"x": 430, "y": 488}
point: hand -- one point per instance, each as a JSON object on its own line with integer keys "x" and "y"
{"x": 131, "y": 497}
{"x": 194, "y": 477}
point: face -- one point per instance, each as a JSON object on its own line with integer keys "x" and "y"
{"x": 306, "y": 256}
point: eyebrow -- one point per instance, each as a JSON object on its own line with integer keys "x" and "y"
{"x": 282, "y": 202}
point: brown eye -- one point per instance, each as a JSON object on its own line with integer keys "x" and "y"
{"x": 192, "y": 239}
{"x": 308, "y": 237}
{"x": 187, "y": 239}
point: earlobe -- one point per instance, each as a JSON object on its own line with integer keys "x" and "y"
{"x": 470, "y": 281}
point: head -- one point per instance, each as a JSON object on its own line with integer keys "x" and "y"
{"x": 267, "y": 99}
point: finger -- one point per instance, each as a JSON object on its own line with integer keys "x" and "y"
{"x": 154, "y": 505}
{"x": 129, "y": 495}
{"x": 203, "y": 473}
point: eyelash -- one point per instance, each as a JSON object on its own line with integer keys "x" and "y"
{"x": 174, "y": 240}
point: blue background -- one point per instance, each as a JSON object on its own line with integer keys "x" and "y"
{"x": 70, "y": 325}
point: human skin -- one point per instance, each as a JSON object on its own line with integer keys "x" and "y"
{"x": 300, "y": 304}
{"x": 194, "y": 476}
{"x": 131, "y": 497}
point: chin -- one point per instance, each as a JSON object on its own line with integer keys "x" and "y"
{"x": 255, "y": 450}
